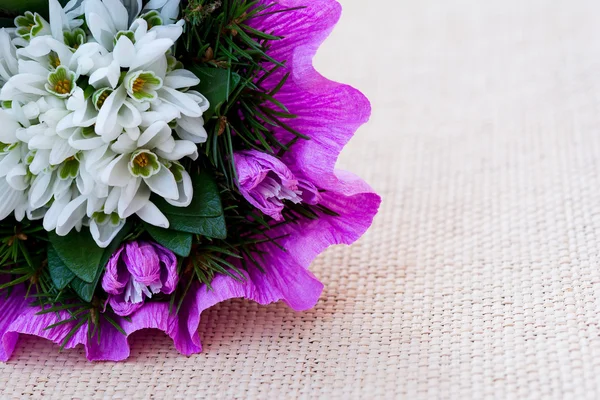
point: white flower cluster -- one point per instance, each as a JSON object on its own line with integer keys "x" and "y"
{"x": 96, "y": 117}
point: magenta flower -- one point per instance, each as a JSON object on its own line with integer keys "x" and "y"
{"x": 265, "y": 182}
{"x": 137, "y": 271}
{"x": 330, "y": 113}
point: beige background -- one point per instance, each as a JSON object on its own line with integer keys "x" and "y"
{"x": 480, "y": 277}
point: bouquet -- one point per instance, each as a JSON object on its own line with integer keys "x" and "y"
{"x": 158, "y": 157}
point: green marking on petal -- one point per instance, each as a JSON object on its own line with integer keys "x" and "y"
{"x": 100, "y": 96}
{"x": 54, "y": 60}
{"x": 100, "y": 217}
{"x": 69, "y": 169}
{"x": 142, "y": 86}
{"x": 30, "y": 25}
{"x": 177, "y": 170}
{"x": 153, "y": 19}
{"x": 75, "y": 38}
{"x": 172, "y": 62}
{"x": 88, "y": 132}
{"x": 115, "y": 219}
{"x": 128, "y": 34}
{"x": 7, "y": 104}
{"x": 144, "y": 164}
{"x": 61, "y": 82}
{"x": 7, "y": 148}
{"x": 30, "y": 157}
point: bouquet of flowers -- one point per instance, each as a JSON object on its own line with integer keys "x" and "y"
{"x": 160, "y": 156}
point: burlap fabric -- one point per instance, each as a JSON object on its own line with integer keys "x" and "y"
{"x": 480, "y": 277}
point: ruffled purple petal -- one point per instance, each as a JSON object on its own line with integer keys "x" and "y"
{"x": 116, "y": 276}
{"x": 310, "y": 193}
{"x": 169, "y": 277}
{"x": 122, "y": 307}
{"x": 328, "y": 112}
{"x": 30, "y": 323}
{"x": 11, "y": 308}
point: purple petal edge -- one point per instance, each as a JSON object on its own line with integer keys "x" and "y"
{"x": 341, "y": 110}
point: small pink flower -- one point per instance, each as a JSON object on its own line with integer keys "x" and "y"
{"x": 136, "y": 272}
{"x": 266, "y": 182}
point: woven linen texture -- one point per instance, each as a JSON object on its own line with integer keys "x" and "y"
{"x": 481, "y": 275}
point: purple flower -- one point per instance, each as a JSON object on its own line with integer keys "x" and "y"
{"x": 265, "y": 182}
{"x": 137, "y": 271}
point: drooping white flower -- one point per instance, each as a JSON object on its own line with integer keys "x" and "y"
{"x": 95, "y": 121}
{"x": 167, "y": 9}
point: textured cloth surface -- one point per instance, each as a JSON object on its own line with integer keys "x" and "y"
{"x": 480, "y": 277}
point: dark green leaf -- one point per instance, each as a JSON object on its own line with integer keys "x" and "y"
{"x": 204, "y": 216}
{"x": 79, "y": 252}
{"x": 216, "y": 85}
{"x": 17, "y": 7}
{"x": 211, "y": 227}
{"x": 86, "y": 290}
{"x": 7, "y": 23}
{"x": 179, "y": 243}
{"x": 60, "y": 274}
{"x": 206, "y": 201}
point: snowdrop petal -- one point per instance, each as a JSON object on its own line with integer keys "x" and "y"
{"x": 71, "y": 216}
{"x": 106, "y": 124}
{"x": 131, "y": 205}
{"x": 183, "y": 148}
{"x": 104, "y": 234}
{"x": 79, "y": 142}
{"x": 133, "y": 8}
{"x": 9, "y": 199}
{"x": 191, "y": 129}
{"x": 163, "y": 184}
{"x": 40, "y": 192}
{"x": 17, "y": 178}
{"x": 116, "y": 173}
{"x": 150, "y": 53}
{"x": 152, "y": 215}
{"x": 58, "y": 19}
{"x": 9, "y": 161}
{"x": 24, "y": 83}
{"x": 51, "y": 217}
{"x": 182, "y": 101}
{"x": 41, "y": 160}
{"x": 119, "y": 14}
{"x": 129, "y": 116}
{"x": 181, "y": 78}
{"x": 124, "y": 52}
{"x": 8, "y": 133}
{"x": 61, "y": 150}
{"x": 154, "y": 135}
{"x": 186, "y": 191}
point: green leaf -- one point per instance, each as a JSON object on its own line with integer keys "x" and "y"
{"x": 206, "y": 201}
{"x": 60, "y": 274}
{"x": 216, "y": 85}
{"x": 86, "y": 290}
{"x": 211, "y": 227}
{"x": 179, "y": 243}
{"x": 83, "y": 289}
{"x": 7, "y": 23}
{"x": 79, "y": 252}
{"x": 204, "y": 216}
{"x": 18, "y": 7}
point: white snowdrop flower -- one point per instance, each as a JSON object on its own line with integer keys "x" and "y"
{"x": 96, "y": 115}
